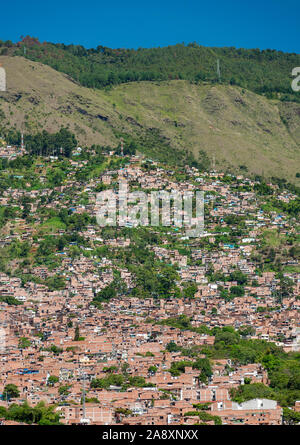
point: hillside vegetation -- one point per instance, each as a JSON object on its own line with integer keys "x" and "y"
{"x": 265, "y": 72}
{"x": 166, "y": 119}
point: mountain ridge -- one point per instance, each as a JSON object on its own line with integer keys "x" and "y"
{"x": 267, "y": 72}
{"x": 166, "y": 118}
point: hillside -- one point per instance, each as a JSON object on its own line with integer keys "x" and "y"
{"x": 166, "y": 118}
{"x": 266, "y": 72}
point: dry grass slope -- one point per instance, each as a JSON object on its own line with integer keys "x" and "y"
{"x": 237, "y": 126}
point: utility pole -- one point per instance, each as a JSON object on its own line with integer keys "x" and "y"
{"x": 122, "y": 147}
{"x": 83, "y": 395}
{"x": 218, "y": 70}
{"x": 84, "y": 419}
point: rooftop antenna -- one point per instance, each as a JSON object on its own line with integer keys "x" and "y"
{"x": 218, "y": 70}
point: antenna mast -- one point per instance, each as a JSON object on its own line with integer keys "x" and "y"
{"x": 218, "y": 70}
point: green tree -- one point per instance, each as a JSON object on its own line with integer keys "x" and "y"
{"x": 77, "y": 333}
{"x": 290, "y": 417}
{"x": 24, "y": 343}
{"x": 52, "y": 380}
{"x": 10, "y": 391}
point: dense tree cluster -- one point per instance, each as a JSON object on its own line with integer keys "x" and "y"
{"x": 40, "y": 414}
{"x": 283, "y": 368}
{"x": 46, "y": 144}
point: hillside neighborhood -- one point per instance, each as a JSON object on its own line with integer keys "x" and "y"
{"x": 145, "y": 325}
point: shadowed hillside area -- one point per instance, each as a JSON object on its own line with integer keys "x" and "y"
{"x": 167, "y": 119}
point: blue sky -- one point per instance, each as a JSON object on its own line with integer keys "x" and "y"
{"x": 131, "y": 24}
